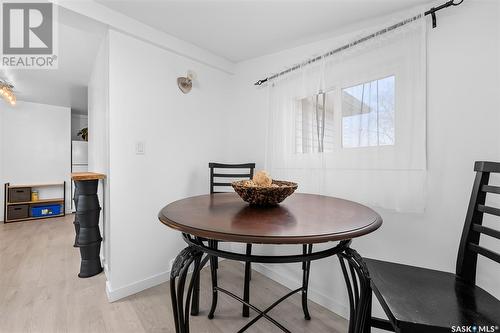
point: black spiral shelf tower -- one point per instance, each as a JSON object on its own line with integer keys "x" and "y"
{"x": 88, "y": 236}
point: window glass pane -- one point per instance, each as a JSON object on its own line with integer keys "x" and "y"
{"x": 368, "y": 114}
{"x": 314, "y": 124}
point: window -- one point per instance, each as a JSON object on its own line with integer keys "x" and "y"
{"x": 314, "y": 124}
{"x": 367, "y": 118}
{"x": 375, "y": 123}
{"x": 368, "y": 114}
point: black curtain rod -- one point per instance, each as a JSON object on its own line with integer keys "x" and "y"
{"x": 431, "y": 12}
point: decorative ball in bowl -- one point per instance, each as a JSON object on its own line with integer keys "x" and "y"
{"x": 269, "y": 195}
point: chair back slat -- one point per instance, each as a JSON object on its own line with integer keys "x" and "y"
{"x": 491, "y": 189}
{"x": 485, "y": 230}
{"x": 488, "y": 210}
{"x": 232, "y": 175}
{"x": 231, "y": 166}
{"x": 247, "y": 174}
{"x": 473, "y": 227}
{"x": 484, "y": 166}
{"x": 485, "y": 252}
{"x": 221, "y": 184}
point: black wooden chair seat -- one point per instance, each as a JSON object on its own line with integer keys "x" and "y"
{"x": 423, "y": 300}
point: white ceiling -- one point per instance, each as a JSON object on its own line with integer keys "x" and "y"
{"x": 79, "y": 40}
{"x": 238, "y": 30}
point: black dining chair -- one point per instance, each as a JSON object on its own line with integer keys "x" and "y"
{"x": 424, "y": 300}
{"x": 216, "y": 174}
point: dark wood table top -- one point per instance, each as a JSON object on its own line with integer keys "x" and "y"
{"x": 300, "y": 219}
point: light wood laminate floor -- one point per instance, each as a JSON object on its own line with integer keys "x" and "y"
{"x": 40, "y": 292}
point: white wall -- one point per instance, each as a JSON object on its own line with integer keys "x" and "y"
{"x": 98, "y": 146}
{"x": 36, "y": 145}
{"x": 2, "y": 182}
{"x": 463, "y": 126}
{"x": 78, "y": 121}
{"x": 98, "y": 115}
{"x": 181, "y": 133}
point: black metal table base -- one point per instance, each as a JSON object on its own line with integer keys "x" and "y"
{"x": 261, "y": 313}
{"x": 186, "y": 302}
{"x": 357, "y": 279}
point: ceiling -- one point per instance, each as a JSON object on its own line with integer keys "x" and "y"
{"x": 239, "y": 30}
{"x": 79, "y": 40}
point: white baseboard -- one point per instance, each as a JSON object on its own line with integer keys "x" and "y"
{"x": 138, "y": 286}
{"x": 314, "y": 295}
{"x": 135, "y": 287}
{"x": 105, "y": 268}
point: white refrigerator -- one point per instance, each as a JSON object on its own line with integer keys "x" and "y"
{"x": 79, "y": 162}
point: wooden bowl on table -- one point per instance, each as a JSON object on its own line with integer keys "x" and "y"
{"x": 264, "y": 195}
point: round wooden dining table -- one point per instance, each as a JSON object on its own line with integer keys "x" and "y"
{"x": 304, "y": 219}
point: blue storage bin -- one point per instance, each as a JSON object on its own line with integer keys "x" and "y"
{"x": 45, "y": 210}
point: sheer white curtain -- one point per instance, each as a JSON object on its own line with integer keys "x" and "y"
{"x": 314, "y": 123}
{"x": 354, "y": 125}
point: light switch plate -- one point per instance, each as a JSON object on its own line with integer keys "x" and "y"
{"x": 140, "y": 148}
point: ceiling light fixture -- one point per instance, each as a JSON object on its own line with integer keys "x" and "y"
{"x": 6, "y": 91}
{"x": 186, "y": 83}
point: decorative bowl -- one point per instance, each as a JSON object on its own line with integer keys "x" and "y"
{"x": 264, "y": 196}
